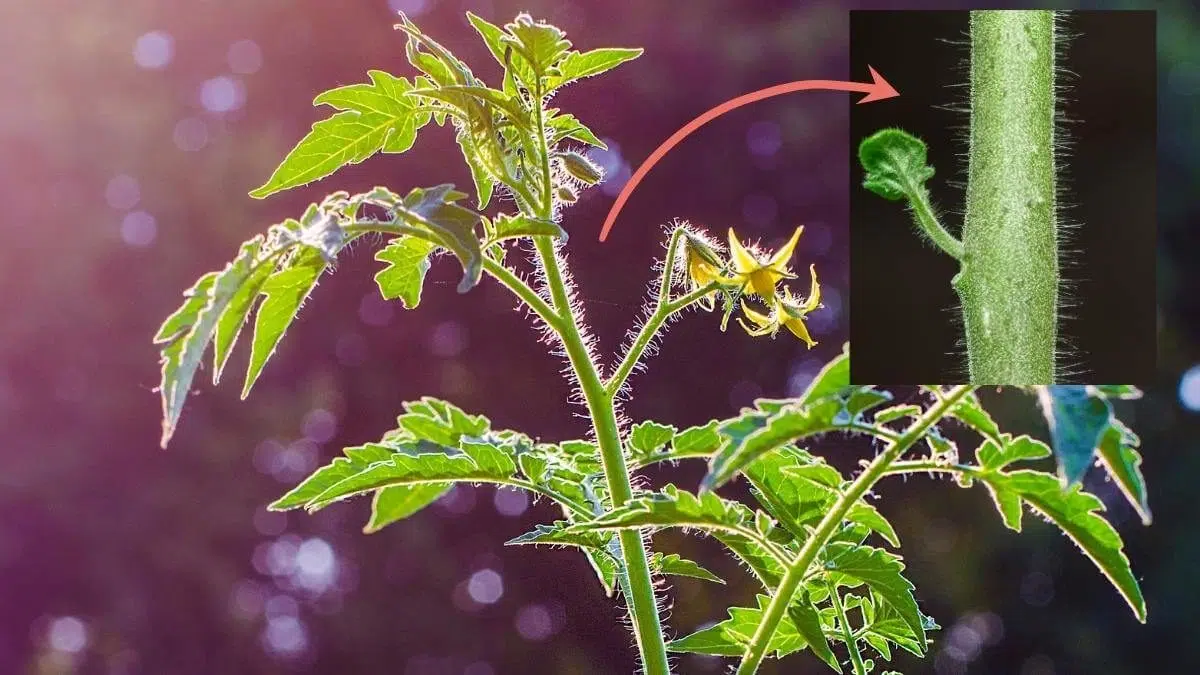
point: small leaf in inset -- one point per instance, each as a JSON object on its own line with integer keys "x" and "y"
{"x": 895, "y": 164}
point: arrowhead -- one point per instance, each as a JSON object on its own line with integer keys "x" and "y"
{"x": 880, "y": 89}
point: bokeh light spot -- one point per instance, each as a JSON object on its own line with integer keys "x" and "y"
{"x": 1189, "y": 388}
{"x": 190, "y": 134}
{"x": 510, "y": 501}
{"x": 68, "y": 634}
{"x": 373, "y": 310}
{"x": 449, "y": 339}
{"x": 244, "y": 57}
{"x": 533, "y": 622}
{"x": 486, "y": 586}
{"x": 139, "y": 229}
{"x": 222, "y": 94}
{"x": 122, "y": 192}
{"x": 154, "y": 50}
{"x": 410, "y": 7}
{"x": 316, "y": 565}
{"x": 285, "y": 636}
{"x": 763, "y": 139}
{"x": 319, "y": 425}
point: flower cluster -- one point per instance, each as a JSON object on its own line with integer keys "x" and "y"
{"x": 749, "y": 271}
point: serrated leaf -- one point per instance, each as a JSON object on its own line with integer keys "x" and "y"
{"x": 560, "y": 533}
{"x": 1077, "y": 422}
{"x": 791, "y": 485}
{"x": 188, "y": 331}
{"x": 1118, "y": 454}
{"x": 605, "y": 567}
{"x": 992, "y": 457}
{"x": 676, "y": 565}
{"x": 377, "y": 116}
{"x": 491, "y": 34}
{"x": 454, "y": 95}
{"x": 803, "y": 613}
{"x": 539, "y": 43}
{"x": 452, "y": 226}
{"x": 563, "y": 127}
{"x": 408, "y": 261}
{"x": 970, "y": 412}
{"x": 398, "y": 502}
{"x": 509, "y": 227}
{"x": 576, "y": 65}
{"x": 422, "y": 463}
{"x": 730, "y": 637}
{"x": 696, "y": 441}
{"x": 1076, "y": 513}
{"x": 895, "y": 164}
{"x": 284, "y": 291}
{"x": 646, "y": 438}
{"x": 896, "y": 412}
{"x": 355, "y": 461}
{"x": 881, "y": 571}
{"x": 234, "y": 317}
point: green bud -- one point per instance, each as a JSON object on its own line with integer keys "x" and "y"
{"x": 580, "y": 167}
{"x": 566, "y": 194}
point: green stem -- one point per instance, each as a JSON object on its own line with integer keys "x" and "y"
{"x": 1009, "y": 279}
{"x": 851, "y": 643}
{"x": 918, "y": 199}
{"x": 639, "y": 588}
{"x": 798, "y": 570}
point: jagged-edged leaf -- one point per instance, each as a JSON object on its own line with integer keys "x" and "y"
{"x": 419, "y": 463}
{"x": 970, "y": 412}
{"x": 803, "y": 613}
{"x": 454, "y": 95}
{"x": 397, "y": 502}
{"x": 1077, "y": 514}
{"x": 284, "y": 291}
{"x": 881, "y": 571}
{"x": 647, "y": 438}
{"x": 731, "y": 636}
{"x": 576, "y": 66}
{"x": 698, "y": 441}
{"x": 1077, "y": 422}
{"x": 540, "y": 44}
{"x": 431, "y": 58}
{"x": 993, "y": 457}
{"x": 1118, "y": 453}
{"x": 672, "y": 507}
{"x": 831, "y": 379}
{"x": 188, "y": 331}
{"x": 355, "y": 461}
{"x": 893, "y": 413}
{"x": 794, "y": 487}
{"x": 606, "y": 568}
{"x": 676, "y": 565}
{"x": 866, "y": 514}
{"x": 452, "y": 226}
{"x": 408, "y": 261}
{"x": 491, "y": 34}
{"x": 765, "y": 566}
{"x": 886, "y": 623}
{"x": 377, "y": 116}
{"x": 560, "y": 533}
{"x": 567, "y": 126}
{"x": 439, "y": 422}
{"x": 510, "y": 227}
{"x": 895, "y": 164}
{"x": 229, "y": 327}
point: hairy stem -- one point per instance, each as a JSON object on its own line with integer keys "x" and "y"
{"x": 798, "y": 570}
{"x": 851, "y": 642}
{"x": 1009, "y": 279}
{"x": 638, "y": 586}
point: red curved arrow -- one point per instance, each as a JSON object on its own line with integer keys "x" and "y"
{"x": 876, "y": 90}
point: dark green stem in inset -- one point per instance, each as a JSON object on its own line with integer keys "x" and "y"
{"x": 1009, "y": 279}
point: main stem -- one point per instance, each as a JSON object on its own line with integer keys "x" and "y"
{"x": 643, "y": 610}
{"x": 847, "y": 633}
{"x": 797, "y": 571}
{"x": 1009, "y": 279}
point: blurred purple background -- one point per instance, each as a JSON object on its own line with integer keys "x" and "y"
{"x": 130, "y": 132}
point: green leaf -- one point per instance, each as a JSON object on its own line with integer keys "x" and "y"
{"x": 431, "y": 58}
{"x": 1120, "y": 458}
{"x": 970, "y": 412}
{"x": 896, "y": 412}
{"x": 648, "y": 438}
{"x": 420, "y": 463}
{"x": 492, "y": 35}
{"x": 540, "y": 44}
{"x": 881, "y": 571}
{"x": 284, "y": 292}
{"x": 187, "y": 332}
{"x": 377, "y": 116}
{"x": 563, "y": 127}
{"x": 1077, "y": 422}
{"x": 234, "y": 317}
{"x": 895, "y": 164}
{"x": 1117, "y": 391}
{"x": 576, "y": 65}
{"x": 803, "y": 613}
{"x": 732, "y": 636}
{"x": 510, "y": 227}
{"x": 452, "y": 227}
{"x": 408, "y": 261}
{"x": 398, "y": 502}
{"x": 1076, "y": 513}
{"x": 490, "y": 98}
{"x": 678, "y": 566}
{"x": 992, "y": 457}
{"x": 355, "y": 461}
{"x": 561, "y": 533}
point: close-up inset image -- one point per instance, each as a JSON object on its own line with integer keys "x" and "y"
{"x": 1002, "y": 207}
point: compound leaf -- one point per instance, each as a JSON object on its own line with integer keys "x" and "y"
{"x": 731, "y": 636}
{"x": 408, "y": 261}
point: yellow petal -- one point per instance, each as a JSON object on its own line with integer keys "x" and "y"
{"x": 782, "y": 256}
{"x": 796, "y": 325}
{"x": 763, "y": 283}
{"x": 744, "y": 262}
{"x": 814, "y": 292}
{"x": 760, "y": 319}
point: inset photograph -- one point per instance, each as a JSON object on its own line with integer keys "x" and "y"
{"x": 1002, "y": 208}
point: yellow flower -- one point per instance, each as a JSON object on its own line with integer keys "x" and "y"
{"x": 703, "y": 266}
{"x": 786, "y": 312}
{"x": 759, "y": 274}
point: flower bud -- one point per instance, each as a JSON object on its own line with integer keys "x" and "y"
{"x": 580, "y": 167}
